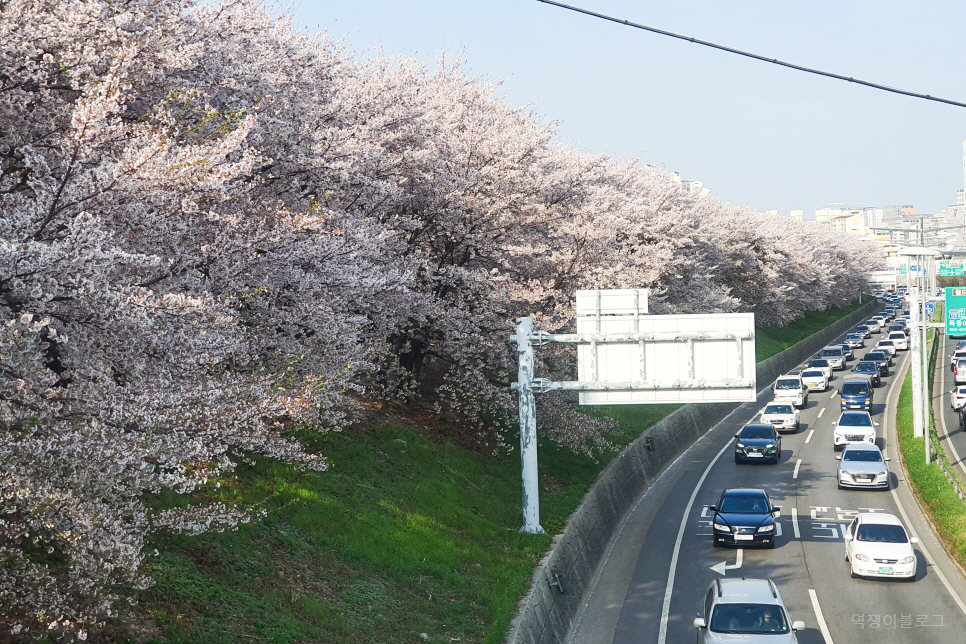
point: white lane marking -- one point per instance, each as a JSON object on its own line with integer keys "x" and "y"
{"x": 922, "y": 546}
{"x": 842, "y": 529}
{"x": 798, "y": 534}
{"x": 720, "y": 568}
{"x": 797, "y": 465}
{"x": 822, "y": 626}
{"x": 809, "y": 437}
{"x": 666, "y": 608}
{"x": 821, "y": 411}
{"x": 778, "y": 528}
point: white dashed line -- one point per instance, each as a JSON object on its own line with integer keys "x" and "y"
{"x": 798, "y": 535}
{"x": 798, "y": 464}
{"x": 822, "y": 626}
{"x": 809, "y": 437}
{"x": 821, "y": 411}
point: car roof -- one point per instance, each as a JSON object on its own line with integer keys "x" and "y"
{"x": 757, "y": 426}
{"x": 858, "y": 379}
{"x": 879, "y": 517}
{"x": 813, "y": 373}
{"x": 745, "y": 491}
{"x": 747, "y": 591}
{"x": 854, "y": 412}
{"x": 861, "y": 447}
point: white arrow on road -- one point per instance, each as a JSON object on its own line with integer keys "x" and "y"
{"x": 724, "y": 565}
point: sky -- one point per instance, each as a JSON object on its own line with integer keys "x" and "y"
{"x": 756, "y": 134}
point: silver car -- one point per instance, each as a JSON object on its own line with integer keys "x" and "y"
{"x": 781, "y": 416}
{"x": 863, "y": 466}
{"x": 746, "y": 610}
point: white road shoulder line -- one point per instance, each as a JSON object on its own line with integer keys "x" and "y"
{"x": 798, "y": 464}
{"x": 809, "y": 437}
{"x": 822, "y": 626}
{"x": 669, "y": 589}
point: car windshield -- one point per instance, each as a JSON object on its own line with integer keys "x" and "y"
{"x": 853, "y": 336}
{"x": 855, "y": 388}
{"x": 875, "y": 355}
{"x": 862, "y": 455}
{"x": 866, "y": 366}
{"x": 818, "y": 363}
{"x": 778, "y": 409}
{"x": 787, "y": 384}
{"x": 881, "y": 533}
{"x": 831, "y": 352}
{"x": 855, "y": 420}
{"x": 885, "y": 343}
{"x": 743, "y": 504}
{"x": 814, "y": 373}
{"x": 961, "y": 390}
{"x": 757, "y": 432}
{"x": 748, "y": 618}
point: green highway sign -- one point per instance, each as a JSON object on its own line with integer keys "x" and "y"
{"x": 955, "y": 310}
{"x": 903, "y": 269}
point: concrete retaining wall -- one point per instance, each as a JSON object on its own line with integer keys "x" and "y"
{"x": 561, "y": 579}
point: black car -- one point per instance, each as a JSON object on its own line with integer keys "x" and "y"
{"x": 879, "y": 354}
{"x": 758, "y": 443}
{"x": 870, "y": 369}
{"x": 744, "y": 517}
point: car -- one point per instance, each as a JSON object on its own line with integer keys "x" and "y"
{"x": 853, "y": 427}
{"x": 959, "y": 372}
{"x": 870, "y": 370}
{"x": 758, "y": 442}
{"x": 856, "y": 393}
{"x": 899, "y": 340}
{"x": 873, "y": 325}
{"x": 815, "y": 380}
{"x": 896, "y": 327}
{"x": 889, "y": 313}
{"x": 865, "y": 330}
{"x": 958, "y": 354}
{"x": 881, "y": 319}
{"x": 834, "y": 355}
{"x": 855, "y": 340}
{"x": 849, "y": 354}
{"x": 877, "y": 354}
{"x": 790, "y": 388}
{"x": 746, "y": 610}
{"x": 781, "y": 416}
{"x": 863, "y": 466}
{"x": 886, "y": 345}
{"x": 960, "y": 345}
{"x": 743, "y": 517}
{"x": 877, "y": 545}
{"x": 957, "y": 397}
{"x": 820, "y": 363}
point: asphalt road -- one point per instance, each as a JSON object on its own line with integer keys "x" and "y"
{"x": 953, "y": 437}
{"x": 659, "y": 566}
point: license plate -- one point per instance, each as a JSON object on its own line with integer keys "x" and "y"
{"x": 751, "y": 537}
{"x": 755, "y": 455}
{"x": 811, "y": 386}
{"x": 885, "y": 570}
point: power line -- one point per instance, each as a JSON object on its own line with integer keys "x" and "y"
{"x": 773, "y": 61}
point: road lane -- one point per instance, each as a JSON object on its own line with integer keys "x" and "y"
{"x": 808, "y": 559}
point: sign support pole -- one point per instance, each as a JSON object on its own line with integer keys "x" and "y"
{"x": 528, "y": 426}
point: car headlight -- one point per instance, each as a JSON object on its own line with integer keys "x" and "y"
{"x": 846, "y": 474}
{"x": 907, "y": 560}
{"x": 722, "y": 527}
{"x": 868, "y": 400}
{"x": 882, "y": 475}
{"x": 767, "y": 528}
{"x": 862, "y": 557}
{"x": 770, "y": 446}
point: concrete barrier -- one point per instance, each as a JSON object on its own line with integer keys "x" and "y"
{"x": 562, "y": 577}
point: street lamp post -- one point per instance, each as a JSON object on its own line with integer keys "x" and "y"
{"x": 920, "y": 379}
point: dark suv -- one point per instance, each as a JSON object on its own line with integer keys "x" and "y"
{"x": 856, "y": 393}
{"x": 758, "y": 443}
{"x": 744, "y": 517}
{"x": 870, "y": 369}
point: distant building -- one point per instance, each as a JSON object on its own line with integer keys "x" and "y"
{"x": 693, "y": 188}
{"x": 798, "y": 214}
{"x": 843, "y": 218}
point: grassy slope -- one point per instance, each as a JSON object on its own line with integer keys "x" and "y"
{"x": 400, "y": 537}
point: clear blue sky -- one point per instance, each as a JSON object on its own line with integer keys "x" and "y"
{"x": 755, "y": 133}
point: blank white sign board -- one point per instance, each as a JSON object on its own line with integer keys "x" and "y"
{"x": 699, "y": 370}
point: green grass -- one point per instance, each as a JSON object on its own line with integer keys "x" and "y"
{"x": 400, "y": 537}
{"x": 930, "y": 485}
{"x": 772, "y": 340}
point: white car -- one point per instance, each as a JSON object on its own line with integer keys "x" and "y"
{"x": 853, "y": 426}
{"x": 791, "y": 389}
{"x": 957, "y": 397}
{"x": 815, "y": 380}
{"x": 820, "y": 363}
{"x": 874, "y": 325}
{"x": 863, "y": 466}
{"x": 876, "y": 545}
{"x": 958, "y": 354}
{"x": 781, "y": 416}
{"x": 835, "y": 355}
{"x": 899, "y": 340}
{"x": 886, "y": 345}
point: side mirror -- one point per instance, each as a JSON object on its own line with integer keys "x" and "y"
{"x": 737, "y": 436}
{"x": 876, "y": 424}
{"x": 838, "y": 457}
{"x": 776, "y": 511}
{"x": 914, "y": 540}
{"x": 888, "y": 458}
{"x": 699, "y": 622}
{"x": 835, "y": 422}
{"x": 798, "y": 625}
{"x": 713, "y": 508}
